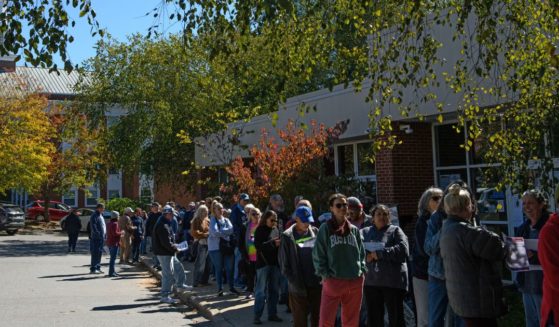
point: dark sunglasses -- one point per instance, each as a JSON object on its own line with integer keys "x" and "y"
{"x": 436, "y": 197}
{"x": 341, "y": 205}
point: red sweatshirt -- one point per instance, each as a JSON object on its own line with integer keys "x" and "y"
{"x": 113, "y": 233}
{"x": 548, "y": 248}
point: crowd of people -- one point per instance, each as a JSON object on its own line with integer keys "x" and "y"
{"x": 346, "y": 267}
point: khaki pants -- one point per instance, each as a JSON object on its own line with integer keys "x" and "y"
{"x": 125, "y": 247}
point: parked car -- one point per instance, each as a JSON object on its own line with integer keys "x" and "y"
{"x": 57, "y": 210}
{"x": 85, "y": 215}
{"x": 12, "y": 218}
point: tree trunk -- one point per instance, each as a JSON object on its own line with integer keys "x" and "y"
{"x": 46, "y": 204}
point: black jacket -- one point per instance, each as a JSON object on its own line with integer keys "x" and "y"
{"x": 472, "y": 258}
{"x": 420, "y": 258}
{"x": 150, "y": 222}
{"x": 73, "y": 224}
{"x": 163, "y": 238}
{"x": 266, "y": 249}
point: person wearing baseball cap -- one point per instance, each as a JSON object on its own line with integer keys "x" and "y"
{"x": 295, "y": 259}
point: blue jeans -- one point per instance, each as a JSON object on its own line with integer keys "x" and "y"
{"x": 532, "y": 308}
{"x": 96, "y": 249}
{"x": 267, "y": 290}
{"x": 149, "y": 240}
{"x": 143, "y": 246}
{"x": 171, "y": 271}
{"x": 438, "y": 305}
{"x": 136, "y": 250}
{"x": 201, "y": 271}
{"x": 113, "y": 250}
{"x": 238, "y": 257}
{"x": 220, "y": 262}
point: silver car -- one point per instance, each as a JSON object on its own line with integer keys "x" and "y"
{"x": 85, "y": 215}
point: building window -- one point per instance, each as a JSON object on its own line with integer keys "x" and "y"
{"x": 449, "y": 152}
{"x": 364, "y": 165}
{"x": 70, "y": 198}
{"x": 113, "y": 194}
{"x": 92, "y": 196}
{"x": 346, "y": 160}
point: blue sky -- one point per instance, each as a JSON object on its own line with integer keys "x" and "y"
{"x": 119, "y": 18}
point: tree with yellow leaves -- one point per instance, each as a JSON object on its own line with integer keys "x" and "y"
{"x": 24, "y": 142}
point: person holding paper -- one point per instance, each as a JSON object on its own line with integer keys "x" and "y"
{"x": 472, "y": 263}
{"x": 548, "y": 249}
{"x": 534, "y": 205}
{"x": 295, "y": 259}
{"x": 386, "y": 282}
{"x": 339, "y": 259}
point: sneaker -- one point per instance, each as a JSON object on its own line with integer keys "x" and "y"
{"x": 275, "y": 318}
{"x": 184, "y": 288}
{"x": 257, "y": 321}
{"x": 114, "y": 275}
{"x": 234, "y": 291}
{"x": 249, "y": 296}
{"x": 169, "y": 300}
{"x": 220, "y": 293}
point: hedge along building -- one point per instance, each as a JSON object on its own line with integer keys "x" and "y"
{"x": 431, "y": 152}
{"x": 58, "y": 89}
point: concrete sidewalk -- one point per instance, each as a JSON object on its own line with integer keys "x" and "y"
{"x": 228, "y": 310}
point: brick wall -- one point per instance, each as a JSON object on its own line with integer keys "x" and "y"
{"x": 404, "y": 172}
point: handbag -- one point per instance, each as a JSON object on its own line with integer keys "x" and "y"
{"x": 226, "y": 247}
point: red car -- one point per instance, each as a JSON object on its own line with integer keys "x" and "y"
{"x": 57, "y": 210}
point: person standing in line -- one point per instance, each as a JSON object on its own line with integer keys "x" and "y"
{"x": 113, "y": 240}
{"x": 153, "y": 217}
{"x": 125, "y": 224}
{"x": 548, "y": 248}
{"x": 472, "y": 258}
{"x": 276, "y": 204}
{"x": 428, "y": 204}
{"x": 238, "y": 218}
{"x": 440, "y": 313}
{"x": 339, "y": 259}
{"x": 295, "y": 259}
{"x": 165, "y": 249}
{"x": 266, "y": 242}
{"x": 200, "y": 230}
{"x": 97, "y": 236}
{"x": 138, "y": 234}
{"x": 386, "y": 282}
{"x": 248, "y": 248}
{"x": 73, "y": 227}
{"x": 143, "y": 244}
{"x": 534, "y": 205}
{"x": 356, "y": 215}
{"x": 220, "y": 249}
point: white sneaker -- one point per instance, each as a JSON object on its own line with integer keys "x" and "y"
{"x": 168, "y": 300}
{"x": 184, "y": 288}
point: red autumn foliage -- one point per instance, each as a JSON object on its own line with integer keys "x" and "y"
{"x": 277, "y": 162}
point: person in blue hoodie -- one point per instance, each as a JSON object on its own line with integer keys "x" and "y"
{"x": 138, "y": 234}
{"x": 97, "y": 237}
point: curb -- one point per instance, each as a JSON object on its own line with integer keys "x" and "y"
{"x": 191, "y": 299}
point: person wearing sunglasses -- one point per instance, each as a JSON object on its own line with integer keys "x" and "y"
{"x": 428, "y": 204}
{"x": 267, "y": 242}
{"x": 339, "y": 259}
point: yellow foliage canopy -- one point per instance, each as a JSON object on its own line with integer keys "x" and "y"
{"x": 25, "y": 150}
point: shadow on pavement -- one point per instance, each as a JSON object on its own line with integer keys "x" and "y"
{"x": 79, "y": 279}
{"x": 19, "y": 248}
{"x": 60, "y": 276}
{"x": 180, "y": 309}
{"x": 124, "y": 306}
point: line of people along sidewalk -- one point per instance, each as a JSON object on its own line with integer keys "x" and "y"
{"x": 348, "y": 260}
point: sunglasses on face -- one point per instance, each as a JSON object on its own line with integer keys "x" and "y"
{"x": 436, "y": 197}
{"x": 340, "y": 205}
